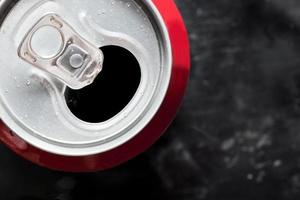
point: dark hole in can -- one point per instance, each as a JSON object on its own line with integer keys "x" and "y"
{"x": 111, "y": 91}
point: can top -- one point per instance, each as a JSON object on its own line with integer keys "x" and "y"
{"x": 41, "y": 61}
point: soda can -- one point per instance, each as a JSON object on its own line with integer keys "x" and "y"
{"x": 88, "y": 85}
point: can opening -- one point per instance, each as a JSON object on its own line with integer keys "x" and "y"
{"x": 111, "y": 91}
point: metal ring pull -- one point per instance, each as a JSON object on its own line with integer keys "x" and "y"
{"x": 53, "y": 46}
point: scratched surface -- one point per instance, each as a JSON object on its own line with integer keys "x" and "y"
{"x": 237, "y": 136}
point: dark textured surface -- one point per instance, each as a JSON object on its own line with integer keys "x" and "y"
{"x": 238, "y": 133}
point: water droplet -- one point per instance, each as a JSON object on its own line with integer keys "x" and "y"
{"x": 28, "y": 83}
{"x": 101, "y": 12}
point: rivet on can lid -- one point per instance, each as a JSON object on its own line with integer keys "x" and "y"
{"x": 46, "y": 42}
{"x": 76, "y": 61}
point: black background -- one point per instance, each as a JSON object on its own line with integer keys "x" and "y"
{"x": 237, "y": 135}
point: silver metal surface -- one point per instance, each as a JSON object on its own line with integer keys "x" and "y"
{"x": 32, "y": 101}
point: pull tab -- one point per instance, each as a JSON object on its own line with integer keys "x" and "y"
{"x": 53, "y": 46}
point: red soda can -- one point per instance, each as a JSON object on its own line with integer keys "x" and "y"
{"x": 88, "y": 85}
